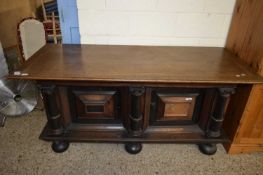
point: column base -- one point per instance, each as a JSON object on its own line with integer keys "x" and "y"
{"x": 133, "y": 148}
{"x": 208, "y": 149}
{"x": 60, "y": 146}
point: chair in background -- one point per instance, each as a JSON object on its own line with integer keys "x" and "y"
{"x": 48, "y": 8}
{"x": 31, "y": 37}
{"x": 51, "y": 21}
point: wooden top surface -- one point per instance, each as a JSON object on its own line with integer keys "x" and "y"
{"x": 137, "y": 64}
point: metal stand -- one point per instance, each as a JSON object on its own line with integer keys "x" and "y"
{"x": 2, "y": 120}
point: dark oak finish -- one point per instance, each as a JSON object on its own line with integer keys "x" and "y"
{"x": 136, "y": 94}
{"x": 177, "y": 108}
{"x": 95, "y": 104}
{"x": 218, "y": 113}
{"x": 147, "y": 64}
{"x": 136, "y": 111}
{"x": 52, "y": 110}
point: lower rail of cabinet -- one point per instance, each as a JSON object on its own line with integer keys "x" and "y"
{"x": 191, "y": 135}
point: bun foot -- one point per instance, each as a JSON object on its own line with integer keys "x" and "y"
{"x": 208, "y": 149}
{"x": 60, "y": 146}
{"x": 133, "y": 148}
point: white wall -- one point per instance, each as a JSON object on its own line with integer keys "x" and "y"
{"x": 155, "y": 22}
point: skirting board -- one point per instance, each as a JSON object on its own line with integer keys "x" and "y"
{"x": 242, "y": 148}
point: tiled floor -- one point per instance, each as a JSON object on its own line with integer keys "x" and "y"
{"x": 21, "y": 152}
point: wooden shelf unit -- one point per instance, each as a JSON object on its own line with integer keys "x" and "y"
{"x": 244, "y": 121}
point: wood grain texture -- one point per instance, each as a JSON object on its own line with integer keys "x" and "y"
{"x": 251, "y": 125}
{"x": 95, "y": 104}
{"x": 245, "y": 39}
{"x": 91, "y": 105}
{"x": 235, "y": 110}
{"x": 110, "y": 90}
{"x": 243, "y": 148}
{"x": 176, "y": 108}
{"x": 137, "y": 64}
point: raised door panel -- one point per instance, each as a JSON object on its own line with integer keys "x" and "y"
{"x": 175, "y": 106}
{"x": 95, "y": 105}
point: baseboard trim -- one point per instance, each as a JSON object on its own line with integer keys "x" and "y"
{"x": 243, "y": 148}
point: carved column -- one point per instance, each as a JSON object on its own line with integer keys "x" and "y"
{"x": 52, "y": 112}
{"x": 136, "y": 115}
{"x": 216, "y": 119}
{"x": 53, "y": 116}
{"x": 135, "y": 128}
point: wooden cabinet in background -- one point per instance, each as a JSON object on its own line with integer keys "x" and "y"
{"x": 244, "y": 119}
{"x": 246, "y": 132}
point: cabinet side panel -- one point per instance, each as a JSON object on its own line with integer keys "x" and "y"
{"x": 251, "y": 130}
{"x": 235, "y": 110}
{"x": 246, "y": 41}
{"x": 244, "y": 148}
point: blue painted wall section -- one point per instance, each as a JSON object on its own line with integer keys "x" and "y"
{"x": 68, "y": 14}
